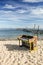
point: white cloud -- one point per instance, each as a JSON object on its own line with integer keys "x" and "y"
{"x": 9, "y": 6}
{"x": 9, "y": 15}
{"x": 21, "y": 11}
{"x": 5, "y": 12}
{"x": 37, "y": 11}
{"x": 32, "y": 0}
{"x": 12, "y": 16}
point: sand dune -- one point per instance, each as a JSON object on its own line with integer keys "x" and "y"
{"x": 12, "y": 54}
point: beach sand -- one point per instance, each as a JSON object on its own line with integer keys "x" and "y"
{"x": 12, "y": 54}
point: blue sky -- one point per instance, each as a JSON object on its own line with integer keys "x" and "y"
{"x": 21, "y": 13}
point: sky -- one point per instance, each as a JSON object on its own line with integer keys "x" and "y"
{"x": 21, "y": 13}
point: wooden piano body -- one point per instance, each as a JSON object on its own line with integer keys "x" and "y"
{"x": 28, "y": 41}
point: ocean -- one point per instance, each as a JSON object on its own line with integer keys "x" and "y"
{"x": 14, "y": 33}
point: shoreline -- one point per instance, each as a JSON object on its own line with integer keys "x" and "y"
{"x": 14, "y": 39}
{"x": 10, "y": 39}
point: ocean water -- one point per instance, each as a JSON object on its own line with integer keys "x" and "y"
{"x": 13, "y": 33}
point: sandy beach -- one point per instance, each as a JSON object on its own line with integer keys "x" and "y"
{"x": 12, "y": 54}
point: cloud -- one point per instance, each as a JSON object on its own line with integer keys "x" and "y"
{"x": 32, "y": 0}
{"x": 34, "y": 11}
{"x": 21, "y": 11}
{"x": 30, "y": 10}
{"x": 18, "y": 16}
{"x": 9, "y": 6}
{"x": 5, "y": 12}
{"x": 9, "y": 16}
{"x": 37, "y": 11}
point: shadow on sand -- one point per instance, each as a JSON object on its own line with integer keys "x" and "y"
{"x": 12, "y": 47}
